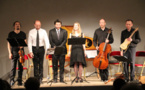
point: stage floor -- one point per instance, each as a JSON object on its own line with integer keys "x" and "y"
{"x": 91, "y": 81}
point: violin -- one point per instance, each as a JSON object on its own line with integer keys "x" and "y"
{"x": 21, "y": 56}
{"x": 101, "y": 61}
{"x": 117, "y": 76}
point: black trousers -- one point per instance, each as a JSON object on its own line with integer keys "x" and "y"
{"x": 130, "y": 54}
{"x": 14, "y": 61}
{"x": 104, "y": 72}
{"x": 61, "y": 59}
{"x": 38, "y": 62}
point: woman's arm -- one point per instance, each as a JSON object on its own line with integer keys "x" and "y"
{"x": 70, "y": 46}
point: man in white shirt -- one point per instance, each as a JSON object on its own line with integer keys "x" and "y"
{"x": 36, "y": 41}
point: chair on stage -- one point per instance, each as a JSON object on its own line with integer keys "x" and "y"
{"x": 114, "y": 62}
{"x": 30, "y": 65}
{"x": 140, "y": 54}
{"x": 50, "y": 70}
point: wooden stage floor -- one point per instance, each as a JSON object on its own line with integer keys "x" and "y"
{"x": 92, "y": 81}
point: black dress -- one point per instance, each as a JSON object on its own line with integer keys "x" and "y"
{"x": 77, "y": 54}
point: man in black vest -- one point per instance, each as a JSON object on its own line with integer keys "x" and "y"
{"x": 58, "y": 38}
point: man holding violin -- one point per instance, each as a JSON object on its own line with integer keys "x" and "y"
{"x": 13, "y": 53}
{"x": 100, "y": 36}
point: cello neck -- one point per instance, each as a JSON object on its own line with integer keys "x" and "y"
{"x": 105, "y": 42}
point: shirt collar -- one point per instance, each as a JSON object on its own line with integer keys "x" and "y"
{"x": 37, "y": 30}
{"x": 57, "y": 29}
{"x": 130, "y": 30}
{"x": 103, "y": 30}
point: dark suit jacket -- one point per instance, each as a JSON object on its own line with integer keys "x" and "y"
{"x": 61, "y": 42}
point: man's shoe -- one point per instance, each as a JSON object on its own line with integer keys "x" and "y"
{"x": 40, "y": 81}
{"x": 55, "y": 80}
{"x": 12, "y": 82}
{"x": 62, "y": 81}
{"x": 20, "y": 83}
{"x": 126, "y": 80}
{"x": 132, "y": 79}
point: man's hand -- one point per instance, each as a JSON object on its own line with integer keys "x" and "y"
{"x": 20, "y": 47}
{"x": 97, "y": 47}
{"x": 68, "y": 54}
{"x": 31, "y": 54}
{"x": 107, "y": 41}
{"x": 10, "y": 56}
{"x": 85, "y": 53}
{"x": 54, "y": 47}
{"x": 129, "y": 39}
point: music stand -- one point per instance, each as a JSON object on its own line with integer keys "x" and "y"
{"x": 121, "y": 58}
{"x": 55, "y": 51}
{"x": 17, "y": 42}
{"x": 77, "y": 41}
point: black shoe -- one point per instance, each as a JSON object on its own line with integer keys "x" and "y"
{"x": 40, "y": 81}
{"x": 12, "y": 82}
{"x": 62, "y": 81}
{"x": 76, "y": 79}
{"x": 81, "y": 80}
{"x": 126, "y": 80}
{"x": 55, "y": 80}
{"x": 132, "y": 79}
{"x": 20, "y": 83}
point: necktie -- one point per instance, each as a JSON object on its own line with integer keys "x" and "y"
{"x": 37, "y": 40}
{"x": 58, "y": 33}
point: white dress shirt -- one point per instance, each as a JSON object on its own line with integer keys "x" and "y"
{"x": 43, "y": 38}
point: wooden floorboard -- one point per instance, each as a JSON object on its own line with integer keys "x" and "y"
{"x": 91, "y": 81}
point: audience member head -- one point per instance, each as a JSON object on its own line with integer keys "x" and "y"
{"x": 4, "y": 85}
{"x": 118, "y": 83}
{"x": 32, "y": 84}
{"x": 143, "y": 86}
{"x": 131, "y": 86}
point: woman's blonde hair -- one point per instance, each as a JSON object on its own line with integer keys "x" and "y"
{"x": 79, "y": 29}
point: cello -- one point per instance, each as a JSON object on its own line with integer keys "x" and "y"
{"x": 101, "y": 60}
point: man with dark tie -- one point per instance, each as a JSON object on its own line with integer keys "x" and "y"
{"x": 58, "y": 38}
{"x": 36, "y": 41}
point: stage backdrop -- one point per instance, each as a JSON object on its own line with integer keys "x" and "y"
{"x": 86, "y": 12}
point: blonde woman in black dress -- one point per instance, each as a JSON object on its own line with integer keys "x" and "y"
{"x": 77, "y": 53}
